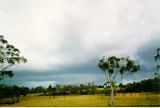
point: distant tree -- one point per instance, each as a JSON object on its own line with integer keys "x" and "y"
{"x": 24, "y": 91}
{"x": 59, "y": 89}
{"x": 12, "y": 92}
{"x": 85, "y": 89}
{"x": 157, "y": 59}
{"x": 16, "y": 92}
{"x": 89, "y": 88}
{"x": 54, "y": 92}
{"x": 51, "y": 91}
{"x": 93, "y": 88}
{"x": 121, "y": 87}
{"x": 4, "y": 91}
{"x": 68, "y": 89}
{"x": 111, "y": 66}
{"x": 9, "y": 56}
{"x": 39, "y": 89}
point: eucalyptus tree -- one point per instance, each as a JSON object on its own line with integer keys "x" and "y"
{"x": 112, "y": 66}
{"x": 157, "y": 59}
{"x": 127, "y": 66}
{"x": 9, "y": 56}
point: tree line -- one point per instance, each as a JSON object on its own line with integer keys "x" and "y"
{"x": 57, "y": 89}
{"x": 149, "y": 85}
{"x": 13, "y": 93}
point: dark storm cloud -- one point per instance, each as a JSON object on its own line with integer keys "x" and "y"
{"x": 145, "y": 58}
{"x": 73, "y": 74}
{"x": 146, "y": 54}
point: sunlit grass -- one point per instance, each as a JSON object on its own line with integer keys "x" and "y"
{"x": 130, "y": 99}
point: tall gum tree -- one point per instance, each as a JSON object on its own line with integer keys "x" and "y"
{"x": 112, "y": 66}
{"x": 9, "y": 56}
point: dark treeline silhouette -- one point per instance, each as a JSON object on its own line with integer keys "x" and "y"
{"x": 149, "y": 85}
{"x": 81, "y": 89}
{"x": 11, "y": 94}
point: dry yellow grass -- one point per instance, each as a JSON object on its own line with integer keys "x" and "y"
{"x": 130, "y": 99}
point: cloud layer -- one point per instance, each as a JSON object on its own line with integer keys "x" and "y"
{"x": 64, "y": 39}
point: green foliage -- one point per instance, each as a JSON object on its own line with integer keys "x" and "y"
{"x": 24, "y": 91}
{"x": 149, "y": 85}
{"x": 9, "y": 56}
{"x": 111, "y": 66}
{"x": 12, "y": 93}
{"x": 56, "y": 90}
{"x": 39, "y": 89}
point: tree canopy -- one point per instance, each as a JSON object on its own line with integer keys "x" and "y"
{"x": 9, "y": 56}
{"x": 111, "y": 66}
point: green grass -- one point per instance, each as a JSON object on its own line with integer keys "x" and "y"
{"x": 130, "y": 99}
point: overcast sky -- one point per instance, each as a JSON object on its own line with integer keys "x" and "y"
{"x": 64, "y": 39}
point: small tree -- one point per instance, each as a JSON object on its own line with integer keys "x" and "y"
{"x": 111, "y": 66}
{"x": 157, "y": 59}
{"x": 50, "y": 90}
{"x": 9, "y": 56}
{"x": 24, "y": 91}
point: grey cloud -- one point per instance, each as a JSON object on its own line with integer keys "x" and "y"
{"x": 63, "y": 40}
{"x": 145, "y": 58}
{"x": 73, "y": 74}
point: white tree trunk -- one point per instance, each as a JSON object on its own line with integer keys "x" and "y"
{"x": 112, "y": 94}
{"x": 121, "y": 79}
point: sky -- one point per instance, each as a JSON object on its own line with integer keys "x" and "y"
{"x": 63, "y": 40}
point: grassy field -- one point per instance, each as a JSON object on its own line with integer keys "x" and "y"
{"x": 127, "y": 99}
